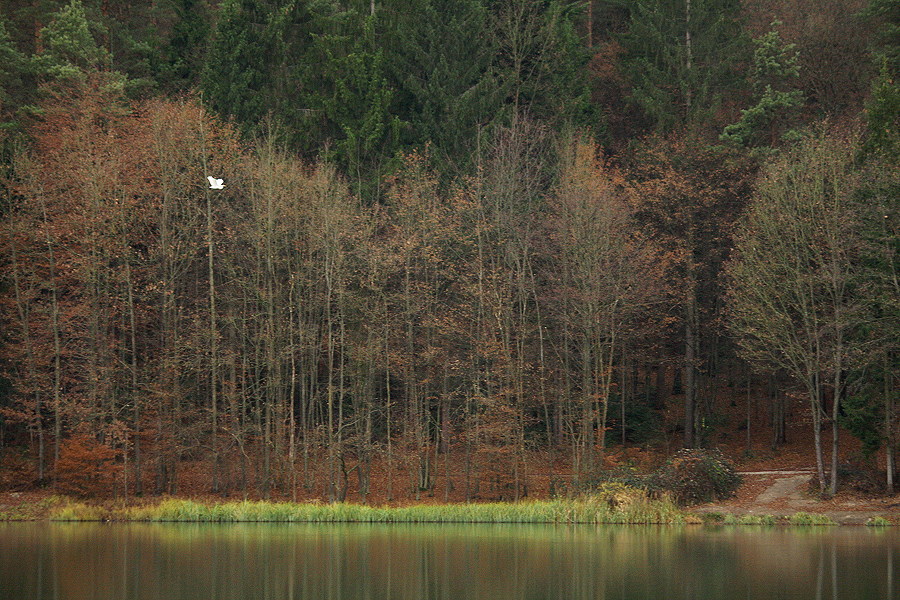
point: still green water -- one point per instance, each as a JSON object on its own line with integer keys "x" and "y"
{"x": 81, "y": 561}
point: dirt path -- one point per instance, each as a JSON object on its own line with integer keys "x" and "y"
{"x": 783, "y": 493}
{"x": 787, "y": 488}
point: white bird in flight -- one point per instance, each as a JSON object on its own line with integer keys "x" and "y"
{"x": 215, "y": 184}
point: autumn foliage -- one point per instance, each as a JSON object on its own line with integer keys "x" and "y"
{"x": 408, "y": 289}
{"x": 86, "y": 467}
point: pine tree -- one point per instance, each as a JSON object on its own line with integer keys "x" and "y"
{"x": 541, "y": 63}
{"x": 775, "y": 67}
{"x": 185, "y": 51}
{"x": 441, "y": 55}
{"x": 358, "y": 107}
{"x": 682, "y": 58}
{"x": 12, "y": 64}
{"x": 261, "y": 63}
{"x": 69, "y": 47}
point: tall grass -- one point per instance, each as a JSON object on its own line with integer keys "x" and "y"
{"x": 749, "y": 519}
{"x": 633, "y": 507}
{"x": 804, "y": 518}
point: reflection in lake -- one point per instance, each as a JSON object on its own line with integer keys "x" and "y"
{"x": 81, "y": 561}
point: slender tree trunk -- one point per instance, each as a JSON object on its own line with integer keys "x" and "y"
{"x": 332, "y": 465}
{"x": 889, "y": 423}
{"x": 388, "y": 411}
{"x": 25, "y": 322}
{"x": 57, "y": 344}
{"x": 135, "y": 392}
{"x": 623, "y": 380}
{"x": 690, "y": 366}
{"x": 588, "y": 413}
{"x": 341, "y": 391}
{"x": 589, "y": 23}
{"x": 816, "y": 400}
{"x": 749, "y": 448}
{"x": 292, "y": 397}
{"x": 689, "y": 56}
{"x": 835, "y": 409}
{"x": 213, "y": 328}
{"x": 662, "y": 389}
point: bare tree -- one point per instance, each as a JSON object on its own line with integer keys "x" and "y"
{"x": 791, "y": 296}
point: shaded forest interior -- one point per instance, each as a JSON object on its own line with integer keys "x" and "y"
{"x": 462, "y": 245}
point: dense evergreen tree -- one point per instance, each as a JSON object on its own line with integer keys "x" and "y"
{"x": 541, "y": 62}
{"x": 12, "y": 65}
{"x": 682, "y": 58}
{"x": 261, "y": 64}
{"x": 886, "y": 14}
{"x": 70, "y": 49}
{"x": 358, "y": 109}
{"x": 775, "y": 68}
{"x": 442, "y": 65}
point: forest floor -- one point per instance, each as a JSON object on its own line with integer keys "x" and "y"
{"x": 777, "y": 481}
{"x": 786, "y": 492}
{"x": 782, "y": 481}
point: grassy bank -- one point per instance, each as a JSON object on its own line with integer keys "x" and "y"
{"x": 800, "y": 518}
{"x": 616, "y": 504}
{"x": 625, "y": 507}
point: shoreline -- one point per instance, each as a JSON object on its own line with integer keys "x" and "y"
{"x": 631, "y": 509}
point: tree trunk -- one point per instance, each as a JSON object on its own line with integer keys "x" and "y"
{"x": 57, "y": 344}
{"x": 25, "y": 323}
{"x": 889, "y": 423}
{"x": 690, "y": 366}
{"x": 689, "y": 56}
{"x": 588, "y": 415}
{"x": 816, "y": 400}
{"x": 213, "y": 330}
{"x": 135, "y": 393}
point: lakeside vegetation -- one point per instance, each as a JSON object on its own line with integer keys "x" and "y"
{"x": 592, "y": 510}
{"x": 463, "y": 247}
{"x": 612, "y": 503}
{"x": 589, "y": 510}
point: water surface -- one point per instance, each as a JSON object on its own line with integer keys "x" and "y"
{"x": 81, "y": 561}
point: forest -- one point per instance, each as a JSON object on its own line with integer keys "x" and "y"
{"x": 460, "y": 243}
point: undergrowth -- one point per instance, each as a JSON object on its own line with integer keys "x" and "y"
{"x": 749, "y": 520}
{"x": 695, "y": 476}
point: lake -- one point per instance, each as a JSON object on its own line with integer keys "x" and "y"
{"x": 115, "y": 561}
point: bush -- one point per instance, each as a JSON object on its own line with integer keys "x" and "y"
{"x": 862, "y": 477}
{"x": 749, "y": 519}
{"x": 694, "y": 476}
{"x": 878, "y": 521}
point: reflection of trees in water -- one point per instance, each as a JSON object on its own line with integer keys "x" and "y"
{"x": 309, "y": 561}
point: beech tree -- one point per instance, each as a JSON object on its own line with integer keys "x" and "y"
{"x": 609, "y": 273}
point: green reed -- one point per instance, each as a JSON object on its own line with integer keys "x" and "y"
{"x": 630, "y": 506}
